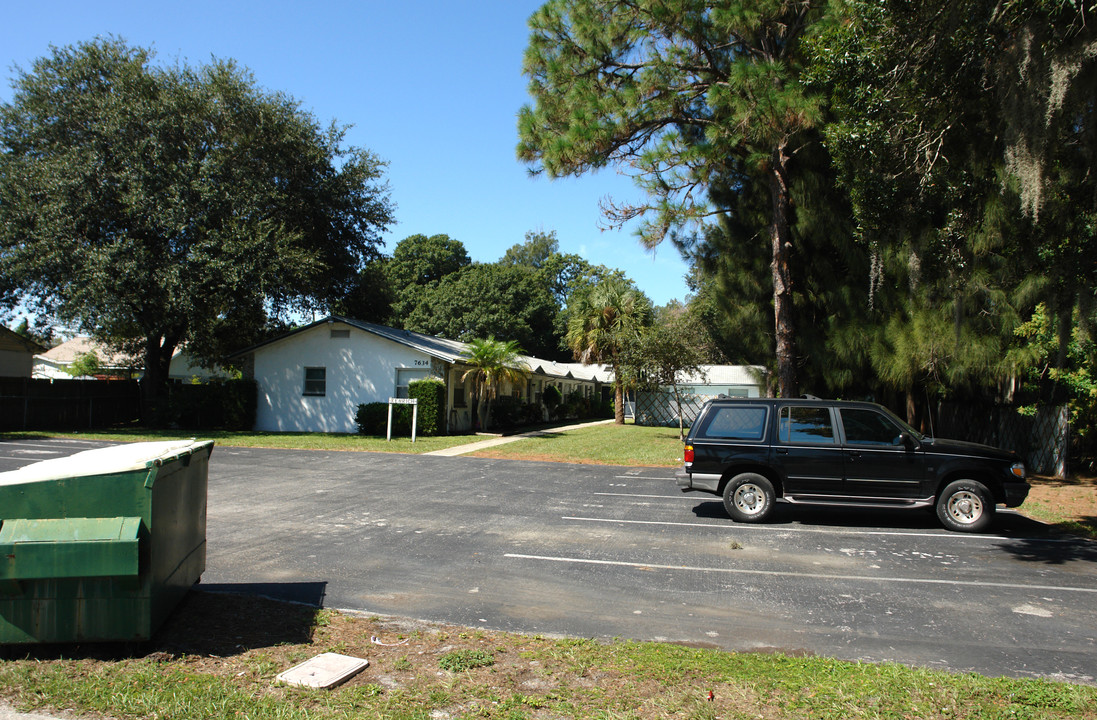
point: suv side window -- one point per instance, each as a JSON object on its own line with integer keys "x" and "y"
{"x": 806, "y": 425}
{"x": 735, "y": 423}
{"x": 865, "y": 427}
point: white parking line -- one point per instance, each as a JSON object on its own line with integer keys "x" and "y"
{"x": 829, "y": 531}
{"x": 59, "y": 445}
{"x": 810, "y": 576}
{"x": 662, "y": 497}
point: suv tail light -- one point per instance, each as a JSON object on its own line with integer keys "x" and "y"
{"x": 687, "y": 456}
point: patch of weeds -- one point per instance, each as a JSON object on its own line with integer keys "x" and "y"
{"x": 264, "y": 666}
{"x": 401, "y": 664}
{"x": 462, "y": 660}
{"x": 735, "y": 545}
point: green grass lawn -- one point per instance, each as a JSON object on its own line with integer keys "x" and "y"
{"x": 602, "y": 444}
{"x": 290, "y": 441}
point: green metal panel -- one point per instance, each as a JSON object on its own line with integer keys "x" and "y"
{"x": 69, "y": 547}
{"x": 105, "y": 556}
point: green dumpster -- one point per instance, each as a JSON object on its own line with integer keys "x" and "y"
{"x": 103, "y": 544}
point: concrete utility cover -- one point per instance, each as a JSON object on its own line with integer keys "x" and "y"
{"x": 324, "y": 671}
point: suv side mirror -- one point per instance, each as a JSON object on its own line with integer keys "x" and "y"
{"x": 907, "y": 441}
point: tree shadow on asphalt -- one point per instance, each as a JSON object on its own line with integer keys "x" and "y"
{"x": 1026, "y": 539}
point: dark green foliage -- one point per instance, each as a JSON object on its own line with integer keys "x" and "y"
{"x": 155, "y": 206}
{"x": 682, "y": 95}
{"x": 489, "y": 300}
{"x": 372, "y": 419}
{"x": 552, "y": 398}
{"x": 431, "y": 394}
{"x": 534, "y": 252}
{"x": 214, "y": 405}
{"x": 604, "y": 321}
{"x": 577, "y": 405}
{"x": 507, "y": 413}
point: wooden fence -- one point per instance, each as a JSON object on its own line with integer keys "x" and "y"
{"x": 29, "y": 404}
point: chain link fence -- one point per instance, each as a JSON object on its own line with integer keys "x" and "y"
{"x": 660, "y": 409}
{"x": 1042, "y": 439}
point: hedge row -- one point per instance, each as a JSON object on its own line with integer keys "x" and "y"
{"x": 372, "y": 418}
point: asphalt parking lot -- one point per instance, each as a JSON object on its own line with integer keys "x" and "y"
{"x": 604, "y": 552}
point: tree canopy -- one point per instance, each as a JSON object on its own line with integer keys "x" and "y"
{"x": 488, "y": 299}
{"x": 153, "y": 206}
{"x": 683, "y": 94}
{"x": 602, "y": 323}
{"x": 491, "y": 363}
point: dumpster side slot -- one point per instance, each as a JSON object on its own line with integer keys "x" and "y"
{"x": 69, "y": 548}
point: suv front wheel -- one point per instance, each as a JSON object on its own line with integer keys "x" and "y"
{"x": 965, "y": 506}
{"x": 749, "y": 497}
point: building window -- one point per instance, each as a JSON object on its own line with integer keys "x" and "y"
{"x": 459, "y": 397}
{"x": 405, "y": 376}
{"x": 316, "y": 380}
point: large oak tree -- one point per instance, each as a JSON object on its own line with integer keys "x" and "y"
{"x": 155, "y": 206}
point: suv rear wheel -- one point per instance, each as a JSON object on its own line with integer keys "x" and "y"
{"x": 965, "y": 506}
{"x": 749, "y": 497}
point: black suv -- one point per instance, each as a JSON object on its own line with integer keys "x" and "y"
{"x": 756, "y": 452}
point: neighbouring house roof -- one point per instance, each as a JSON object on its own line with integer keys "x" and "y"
{"x": 725, "y": 375}
{"x": 566, "y": 371}
{"x": 11, "y": 340}
{"x": 67, "y": 352}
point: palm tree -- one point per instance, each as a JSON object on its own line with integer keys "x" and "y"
{"x": 603, "y": 322}
{"x": 491, "y": 363}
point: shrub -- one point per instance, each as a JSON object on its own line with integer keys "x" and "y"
{"x": 372, "y": 419}
{"x": 577, "y": 405}
{"x": 552, "y": 398}
{"x": 431, "y": 394}
{"x": 507, "y": 412}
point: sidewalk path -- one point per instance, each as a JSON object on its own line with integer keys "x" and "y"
{"x": 492, "y": 442}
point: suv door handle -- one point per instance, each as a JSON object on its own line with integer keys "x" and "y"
{"x": 782, "y": 451}
{"x": 853, "y": 453}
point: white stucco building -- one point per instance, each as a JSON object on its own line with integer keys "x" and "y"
{"x": 314, "y": 378}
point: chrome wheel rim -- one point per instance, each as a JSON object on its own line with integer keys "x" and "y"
{"x": 749, "y": 498}
{"x": 965, "y": 507}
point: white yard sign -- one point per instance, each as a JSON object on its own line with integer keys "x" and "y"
{"x": 414, "y": 414}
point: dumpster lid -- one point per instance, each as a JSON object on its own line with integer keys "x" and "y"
{"x": 105, "y": 461}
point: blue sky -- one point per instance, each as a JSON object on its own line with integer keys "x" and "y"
{"x": 431, "y": 86}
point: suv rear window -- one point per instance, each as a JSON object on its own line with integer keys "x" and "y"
{"x": 735, "y": 423}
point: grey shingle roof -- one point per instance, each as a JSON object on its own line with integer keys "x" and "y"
{"x": 450, "y": 350}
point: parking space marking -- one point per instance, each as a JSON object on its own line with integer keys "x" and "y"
{"x": 829, "y": 531}
{"x": 52, "y": 443}
{"x": 639, "y": 495}
{"x": 809, "y": 576}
